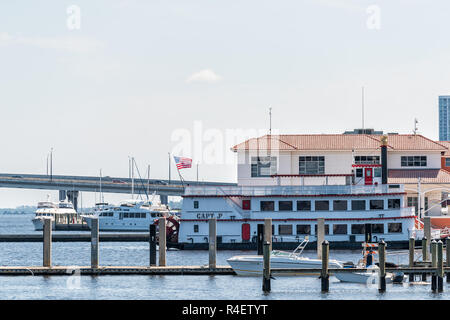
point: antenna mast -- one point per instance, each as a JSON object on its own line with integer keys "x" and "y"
{"x": 270, "y": 120}
{"x": 415, "y": 125}
{"x": 362, "y": 107}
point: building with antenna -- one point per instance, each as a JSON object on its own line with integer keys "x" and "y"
{"x": 444, "y": 118}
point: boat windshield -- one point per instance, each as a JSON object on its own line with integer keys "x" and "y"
{"x": 46, "y": 204}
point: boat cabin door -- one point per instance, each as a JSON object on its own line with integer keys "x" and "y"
{"x": 368, "y": 176}
{"x": 245, "y": 232}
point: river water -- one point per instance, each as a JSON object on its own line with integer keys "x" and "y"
{"x": 132, "y": 287}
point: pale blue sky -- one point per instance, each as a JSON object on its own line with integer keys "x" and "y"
{"x": 119, "y": 85}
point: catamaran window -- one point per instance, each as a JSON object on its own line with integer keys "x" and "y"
{"x": 414, "y": 161}
{"x": 327, "y": 229}
{"x": 393, "y": 203}
{"x": 126, "y": 214}
{"x": 303, "y": 205}
{"x": 377, "y": 228}
{"x": 322, "y": 205}
{"x": 340, "y": 205}
{"x": 284, "y": 205}
{"x": 195, "y": 227}
{"x": 267, "y": 205}
{"x": 339, "y": 229}
{"x": 358, "y": 229}
{"x": 311, "y": 165}
{"x": 395, "y": 227}
{"x": 358, "y": 204}
{"x": 359, "y": 173}
{"x": 376, "y": 204}
{"x": 367, "y": 159}
{"x": 303, "y": 229}
{"x": 285, "y": 229}
{"x": 264, "y": 166}
{"x": 143, "y": 215}
{"x": 196, "y": 204}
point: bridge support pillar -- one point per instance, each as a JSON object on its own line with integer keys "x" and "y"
{"x": 164, "y": 199}
{"x": 73, "y": 197}
{"x": 62, "y": 195}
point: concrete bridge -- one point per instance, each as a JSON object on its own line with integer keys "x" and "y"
{"x": 70, "y": 185}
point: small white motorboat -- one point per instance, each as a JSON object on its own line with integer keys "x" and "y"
{"x": 252, "y": 265}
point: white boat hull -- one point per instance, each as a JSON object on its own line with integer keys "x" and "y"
{"x": 369, "y": 278}
{"x": 253, "y": 265}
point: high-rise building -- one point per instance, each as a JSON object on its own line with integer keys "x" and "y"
{"x": 444, "y": 118}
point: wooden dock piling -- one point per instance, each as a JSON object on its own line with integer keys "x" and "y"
{"x": 433, "y": 265}
{"x": 268, "y": 232}
{"x": 382, "y": 265}
{"x": 320, "y": 236}
{"x": 411, "y": 257}
{"x": 162, "y": 241}
{"x": 212, "y": 243}
{"x": 440, "y": 266}
{"x": 47, "y": 234}
{"x": 324, "y": 276}
{"x": 152, "y": 244}
{"x": 266, "y": 270}
{"x": 424, "y": 255}
{"x": 94, "y": 243}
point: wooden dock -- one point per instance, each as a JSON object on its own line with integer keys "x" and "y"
{"x": 115, "y": 270}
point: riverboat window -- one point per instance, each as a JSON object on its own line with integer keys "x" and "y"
{"x": 377, "y": 228}
{"x": 327, "y": 229}
{"x": 358, "y": 204}
{"x": 377, "y": 172}
{"x": 412, "y": 202}
{"x": 393, "y": 203}
{"x": 359, "y": 173}
{"x": 263, "y": 166}
{"x": 376, "y": 204}
{"x": 395, "y": 227}
{"x": 303, "y": 229}
{"x": 284, "y": 205}
{"x": 447, "y": 162}
{"x": 339, "y": 229}
{"x": 303, "y": 205}
{"x": 413, "y": 161}
{"x": 267, "y": 205}
{"x": 285, "y": 229}
{"x": 340, "y": 205}
{"x": 358, "y": 229}
{"x": 322, "y": 205}
{"x": 311, "y": 165}
{"x": 195, "y": 227}
{"x": 367, "y": 159}
{"x": 195, "y": 204}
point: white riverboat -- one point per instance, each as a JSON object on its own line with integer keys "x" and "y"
{"x": 62, "y": 214}
{"x": 252, "y": 265}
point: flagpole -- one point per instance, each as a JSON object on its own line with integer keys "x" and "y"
{"x": 169, "y": 167}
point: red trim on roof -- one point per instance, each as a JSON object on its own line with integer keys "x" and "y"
{"x": 310, "y": 219}
{"x": 313, "y": 175}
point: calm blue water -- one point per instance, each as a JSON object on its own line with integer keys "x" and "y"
{"x": 169, "y": 287}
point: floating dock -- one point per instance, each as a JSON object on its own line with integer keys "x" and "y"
{"x": 116, "y": 270}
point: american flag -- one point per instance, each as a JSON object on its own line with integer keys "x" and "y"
{"x": 183, "y": 162}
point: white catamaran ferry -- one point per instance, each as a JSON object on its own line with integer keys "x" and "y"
{"x": 353, "y": 200}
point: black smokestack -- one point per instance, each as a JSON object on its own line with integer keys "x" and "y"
{"x": 384, "y": 172}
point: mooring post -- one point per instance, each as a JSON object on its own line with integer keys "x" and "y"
{"x": 411, "y": 257}
{"x": 268, "y": 232}
{"x": 212, "y": 243}
{"x": 424, "y": 255}
{"x": 320, "y": 236}
{"x": 260, "y": 239}
{"x": 324, "y": 276}
{"x": 382, "y": 265}
{"x": 152, "y": 240}
{"x": 440, "y": 266}
{"x": 47, "y": 254}
{"x": 162, "y": 241}
{"x": 94, "y": 243}
{"x": 447, "y": 260}
{"x": 266, "y": 271}
{"x": 433, "y": 265}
